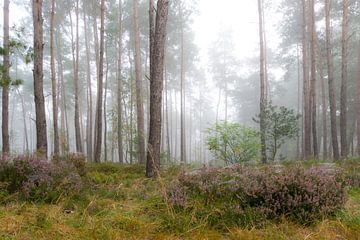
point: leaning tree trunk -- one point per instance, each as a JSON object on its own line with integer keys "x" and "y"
{"x": 53, "y": 82}
{"x": 262, "y": 86}
{"x": 41, "y": 133}
{"x": 98, "y": 118}
{"x": 344, "y": 79}
{"x": 156, "y": 86}
{"x": 330, "y": 63}
{"x": 6, "y": 83}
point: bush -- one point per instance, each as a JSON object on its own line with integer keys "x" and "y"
{"x": 249, "y": 196}
{"x": 233, "y": 143}
{"x": 36, "y": 179}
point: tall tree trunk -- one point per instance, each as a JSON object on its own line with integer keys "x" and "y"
{"x": 76, "y": 85}
{"x": 182, "y": 114}
{"x": 323, "y": 99}
{"x": 6, "y": 82}
{"x": 313, "y": 102}
{"x": 139, "y": 88}
{"x": 105, "y": 100}
{"x": 120, "y": 87}
{"x": 344, "y": 79}
{"x": 89, "y": 132}
{"x": 357, "y": 98}
{"x": 98, "y": 119}
{"x": 53, "y": 82}
{"x": 156, "y": 87}
{"x": 306, "y": 98}
{"x": 262, "y": 85}
{"x": 330, "y": 63}
{"x": 41, "y": 131}
{"x": 64, "y": 139}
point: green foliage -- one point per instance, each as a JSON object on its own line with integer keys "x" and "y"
{"x": 281, "y": 124}
{"x": 233, "y": 143}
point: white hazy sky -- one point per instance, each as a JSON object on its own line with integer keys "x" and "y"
{"x": 242, "y": 17}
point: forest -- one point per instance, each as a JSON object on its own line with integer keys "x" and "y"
{"x": 180, "y": 119}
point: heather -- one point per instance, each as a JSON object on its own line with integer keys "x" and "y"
{"x": 119, "y": 202}
{"x": 32, "y": 178}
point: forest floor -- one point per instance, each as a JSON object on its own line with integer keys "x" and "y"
{"x": 122, "y": 204}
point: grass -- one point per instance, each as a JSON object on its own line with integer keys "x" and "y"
{"x": 120, "y": 203}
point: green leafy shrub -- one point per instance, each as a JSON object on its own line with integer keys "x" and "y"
{"x": 250, "y": 196}
{"x": 233, "y": 143}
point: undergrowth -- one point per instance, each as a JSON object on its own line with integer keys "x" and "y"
{"x": 118, "y": 202}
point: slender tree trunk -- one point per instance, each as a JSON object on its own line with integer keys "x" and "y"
{"x": 344, "y": 79}
{"x": 157, "y": 54}
{"x": 6, "y": 83}
{"x": 53, "y": 82}
{"x": 89, "y": 132}
{"x": 313, "y": 102}
{"x": 306, "y": 99}
{"x": 120, "y": 88}
{"x": 330, "y": 63}
{"x": 98, "y": 119}
{"x": 262, "y": 86}
{"x": 323, "y": 99}
{"x": 139, "y": 88}
{"x": 41, "y": 131}
{"x": 105, "y": 101}
{"x": 182, "y": 114}
{"x": 357, "y": 98}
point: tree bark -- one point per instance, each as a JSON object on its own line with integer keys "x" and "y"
{"x": 306, "y": 98}
{"x": 120, "y": 87}
{"x": 330, "y": 63}
{"x": 262, "y": 86}
{"x": 98, "y": 119}
{"x": 344, "y": 79}
{"x": 156, "y": 88}
{"x": 182, "y": 76}
{"x": 89, "y": 132}
{"x": 6, "y": 83}
{"x": 139, "y": 89}
{"x": 357, "y": 98}
{"x": 53, "y": 81}
{"x": 41, "y": 131}
{"x": 313, "y": 102}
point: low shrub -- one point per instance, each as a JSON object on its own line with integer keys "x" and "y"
{"x": 36, "y": 179}
{"x": 249, "y": 196}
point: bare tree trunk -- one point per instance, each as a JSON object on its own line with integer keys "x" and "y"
{"x": 323, "y": 100}
{"x": 76, "y": 84}
{"x": 156, "y": 87}
{"x": 306, "y": 98}
{"x": 313, "y": 102}
{"x": 98, "y": 119}
{"x": 182, "y": 114}
{"x": 330, "y": 63}
{"x": 6, "y": 85}
{"x": 105, "y": 100}
{"x": 120, "y": 88}
{"x": 53, "y": 82}
{"x": 89, "y": 131}
{"x": 262, "y": 85}
{"x": 139, "y": 88}
{"x": 344, "y": 79}
{"x": 357, "y": 97}
{"x": 41, "y": 131}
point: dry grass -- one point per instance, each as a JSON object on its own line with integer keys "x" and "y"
{"x": 121, "y": 204}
